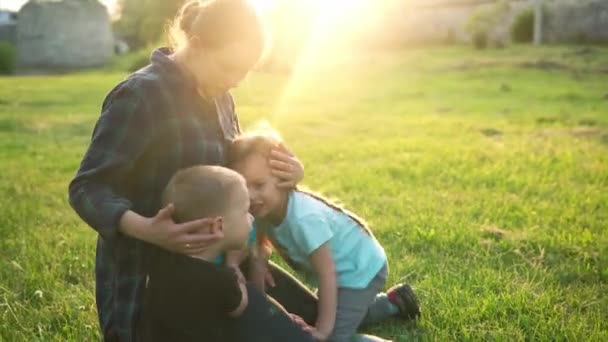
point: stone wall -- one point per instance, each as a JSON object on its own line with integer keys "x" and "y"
{"x": 68, "y": 34}
{"x": 448, "y": 24}
{"x": 577, "y": 21}
{"x": 444, "y": 20}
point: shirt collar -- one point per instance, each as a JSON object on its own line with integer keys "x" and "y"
{"x": 161, "y": 60}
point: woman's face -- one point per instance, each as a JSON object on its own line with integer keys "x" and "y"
{"x": 221, "y": 69}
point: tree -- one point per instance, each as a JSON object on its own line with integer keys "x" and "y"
{"x": 143, "y": 22}
{"x": 538, "y": 22}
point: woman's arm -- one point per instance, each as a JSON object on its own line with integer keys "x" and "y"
{"x": 121, "y": 135}
{"x": 325, "y": 269}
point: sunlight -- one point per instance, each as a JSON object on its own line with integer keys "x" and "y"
{"x": 263, "y": 6}
{"x": 327, "y": 25}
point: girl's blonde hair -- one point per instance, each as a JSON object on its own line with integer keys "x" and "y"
{"x": 262, "y": 144}
{"x": 250, "y": 144}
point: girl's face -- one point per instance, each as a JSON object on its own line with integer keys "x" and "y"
{"x": 266, "y": 198}
{"x": 221, "y": 69}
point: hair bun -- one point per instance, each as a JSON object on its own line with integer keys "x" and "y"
{"x": 189, "y": 14}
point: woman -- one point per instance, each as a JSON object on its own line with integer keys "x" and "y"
{"x": 172, "y": 114}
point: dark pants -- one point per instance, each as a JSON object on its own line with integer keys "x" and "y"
{"x": 294, "y": 296}
{"x": 264, "y": 322}
{"x": 298, "y": 299}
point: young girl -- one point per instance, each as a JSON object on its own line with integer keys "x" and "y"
{"x": 332, "y": 247}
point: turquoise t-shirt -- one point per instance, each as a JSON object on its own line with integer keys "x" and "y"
{"x": 309, "y": 223}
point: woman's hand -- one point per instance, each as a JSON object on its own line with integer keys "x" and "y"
{"x": 189, "y": 238}
{"x": 286, "y": 166}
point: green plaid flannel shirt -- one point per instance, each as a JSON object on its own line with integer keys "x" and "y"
{"x": 151, "y": 125}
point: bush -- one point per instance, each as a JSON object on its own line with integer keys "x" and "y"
{"x": 483, "y": 21}
{"x": 450, "y": 37}
{"x": 480, "y": 40}
{"x": 139, "y": 60}
{"x": 8, "y": 58}
{"x": 522, "y": 30}
{"x": 132, "y": 61}
{"x": 143, "y": 22}
{"x": 581, "y": 38}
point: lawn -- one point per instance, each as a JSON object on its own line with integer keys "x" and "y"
{"x": 483, "y": 174}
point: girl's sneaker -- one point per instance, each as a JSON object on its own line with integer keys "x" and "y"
{"x": 402, "y": 296}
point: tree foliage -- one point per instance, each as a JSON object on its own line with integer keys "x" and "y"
{"x": 142, "y": 22}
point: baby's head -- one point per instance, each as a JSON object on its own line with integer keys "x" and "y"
{"x": 250, "y": 156}
{"x": 212, "y": 192}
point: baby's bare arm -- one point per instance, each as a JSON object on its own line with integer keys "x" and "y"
{"x": 244, "y": 301}
{"x": 257, "y": 272}
{"x": 236, "y": 257}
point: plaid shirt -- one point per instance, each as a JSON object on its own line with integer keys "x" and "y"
{"x": 151, "y": 125}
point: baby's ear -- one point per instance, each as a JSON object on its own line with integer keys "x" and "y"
{"x": 218, "y": 225}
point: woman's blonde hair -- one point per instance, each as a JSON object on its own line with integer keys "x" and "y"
{"x": 216, "y": 23}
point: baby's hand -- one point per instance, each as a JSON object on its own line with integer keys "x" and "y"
{"x": 300, "y": 322}
{"x": 268, "y": 278}
{"x": 316, "y": 334}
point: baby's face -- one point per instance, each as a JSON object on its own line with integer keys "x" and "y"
{"x": 238, "y": 221}
{"x": 264, "y": 193}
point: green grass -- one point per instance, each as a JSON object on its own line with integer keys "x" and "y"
{"x": 483, "y": 174}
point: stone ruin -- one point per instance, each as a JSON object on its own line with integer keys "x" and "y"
{"x": 577, "y": 21}
{"x": 63, "y": 35}
{"x": 441, "y": 21}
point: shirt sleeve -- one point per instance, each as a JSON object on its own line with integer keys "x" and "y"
{"x": 310, "y": 232}
{"x": 120, "y": 136}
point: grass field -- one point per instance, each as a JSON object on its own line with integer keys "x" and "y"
{"x": 483, "y": 174}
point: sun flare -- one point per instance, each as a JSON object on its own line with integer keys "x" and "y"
{"x": 301, "y": 29}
